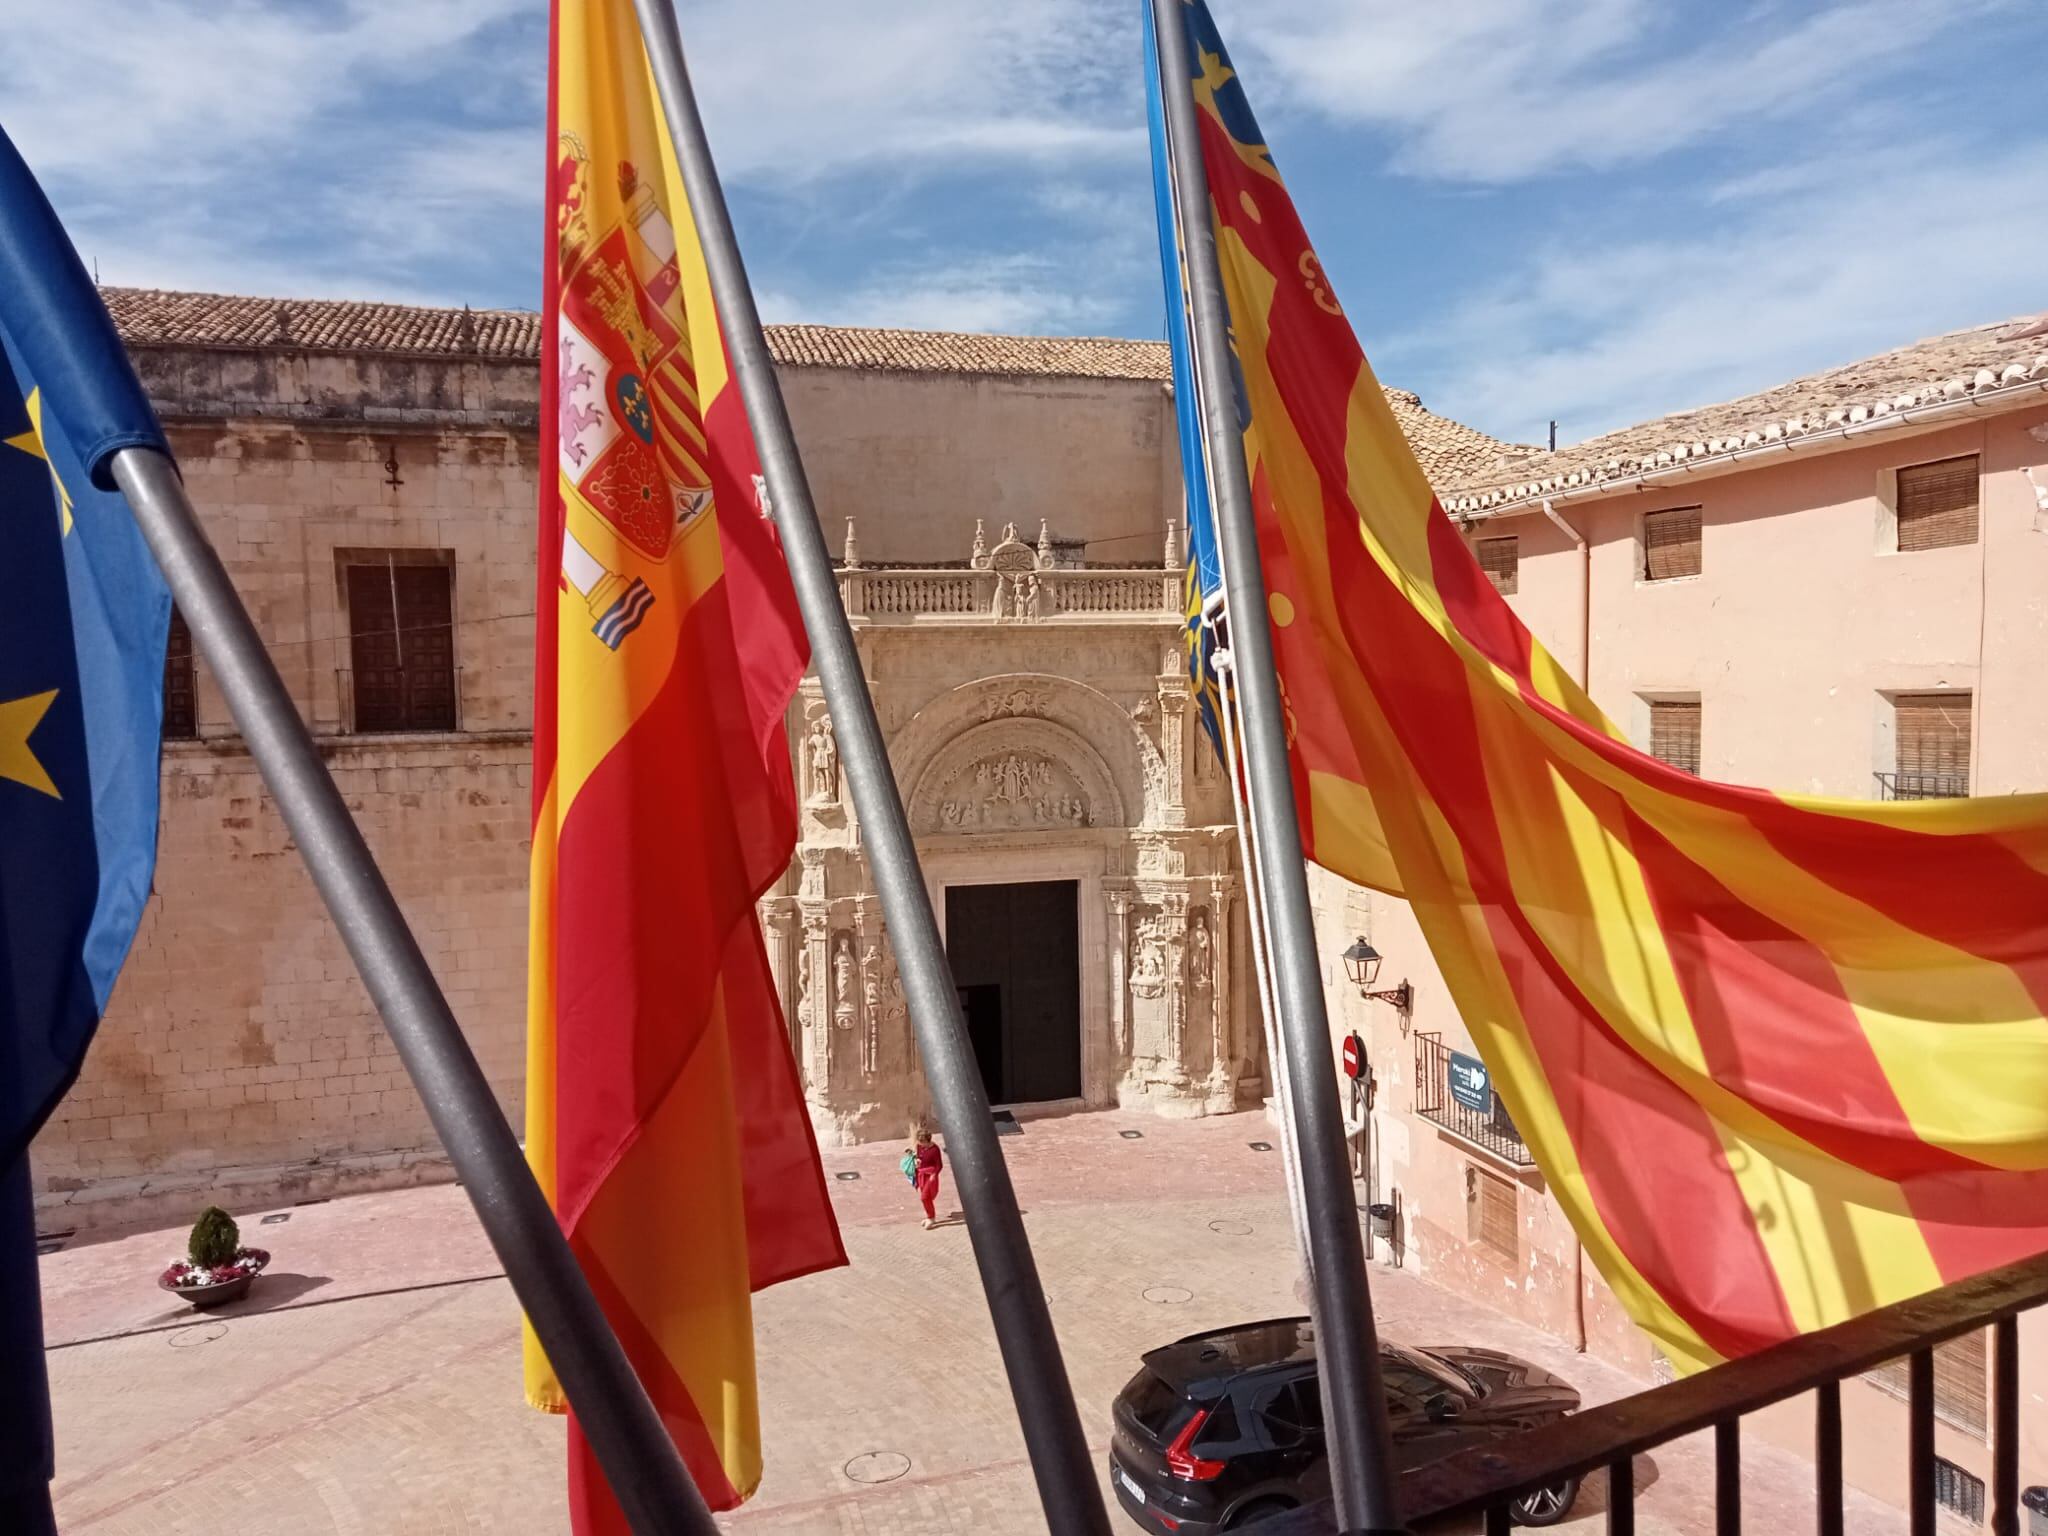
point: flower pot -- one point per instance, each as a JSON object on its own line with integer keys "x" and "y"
{"x": 206, "y": 1288}
{"x": 218, "y": 1294}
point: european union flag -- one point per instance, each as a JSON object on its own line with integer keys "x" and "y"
{"x": 83, "y": 619}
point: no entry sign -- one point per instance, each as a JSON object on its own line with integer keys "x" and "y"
{"x": 1354, "y": 1056}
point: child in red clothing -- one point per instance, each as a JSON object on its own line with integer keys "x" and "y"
{"x": 928, "y": 1165}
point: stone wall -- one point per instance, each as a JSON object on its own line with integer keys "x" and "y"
{"x": 240, "y": 1056}
{"x": 239, "y": 1051}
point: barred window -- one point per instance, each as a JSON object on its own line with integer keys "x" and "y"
{"x": 1930, "y": 746}
{"x": 1959, "y": 1382}
{"x": 1492, "y": 1213}
{"x": 401, "y": 639}
{"x": 181, "y": 683}
{"x": 1675, "y": 732}
{"x": 1937, "y": 504}
{"x": 1671, "y": 544}
{"x": 1501, "y": 560}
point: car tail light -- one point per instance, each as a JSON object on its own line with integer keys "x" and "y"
{"x": 1183, "y": 1463}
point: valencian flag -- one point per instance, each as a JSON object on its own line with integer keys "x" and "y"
{"x": 664, "y": 1113}
{"x": 83, "y": 620}
{"x": 1782, "y": 1059}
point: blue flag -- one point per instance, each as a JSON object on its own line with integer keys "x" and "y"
{"x": 83, "y": 620}
{"x": 1204, "y": 586}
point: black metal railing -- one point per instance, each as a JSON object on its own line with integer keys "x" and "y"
{"x": 1485, "y": 1124}
{"x": 1486, "y": 1479}
{"x": 1923, "y": 786}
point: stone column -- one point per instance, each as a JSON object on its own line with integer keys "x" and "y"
{"x": 779, "y": 928}
{"x": 815, "y": 968}
{"x": 1225, "y": 1004}
{"x": 1173, "y": 911}
{"x": 1119, "y": 988}
{"x": 1173, "y": 706}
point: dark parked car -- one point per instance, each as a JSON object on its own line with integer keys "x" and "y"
{"x": 1221, "y": 1429}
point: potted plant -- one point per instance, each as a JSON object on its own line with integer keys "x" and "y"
{"x": 217, "y": 1268}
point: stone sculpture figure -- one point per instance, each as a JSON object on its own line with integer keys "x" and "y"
{"x": 842, "y": 980}
{"x": 824, "y": 753}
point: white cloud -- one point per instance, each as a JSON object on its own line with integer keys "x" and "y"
{"x": 913, "y": 82}
{"x": 1503, "y": 90}
{"x": 1739, "y": 295}
{"x": 1020, "y": 295}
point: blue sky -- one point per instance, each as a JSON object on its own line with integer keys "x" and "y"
{"x": 1588, "y": 210}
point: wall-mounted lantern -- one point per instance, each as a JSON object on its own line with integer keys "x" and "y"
{"x": 1362, "y": 965}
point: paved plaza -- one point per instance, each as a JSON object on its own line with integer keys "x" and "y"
{"x": 370, "y": 1384}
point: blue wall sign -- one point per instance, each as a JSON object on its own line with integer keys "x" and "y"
{"x": 1469, "y": 1084}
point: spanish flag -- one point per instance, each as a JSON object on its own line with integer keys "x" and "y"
{"x": 1783, "y": 1060}
{"x": 665, "y": 1118}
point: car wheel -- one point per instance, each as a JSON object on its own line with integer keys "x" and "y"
{"x": 1254, "y": 1512}
{"x": 1545, "y": 1506}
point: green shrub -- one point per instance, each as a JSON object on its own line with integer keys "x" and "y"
{"x": 215, "y": 1238}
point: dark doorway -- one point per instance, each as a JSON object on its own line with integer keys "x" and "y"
{"x": 1016, "y": 957}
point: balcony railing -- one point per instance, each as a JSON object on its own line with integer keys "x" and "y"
{"x": 1922, "y": 786}
{"x": 1486, "y": 1479}
{"x": 968, "y": 596}
{"x": 1483, "y": 1123}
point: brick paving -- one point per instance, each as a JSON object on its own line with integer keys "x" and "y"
{"x": 370, "y": 1385}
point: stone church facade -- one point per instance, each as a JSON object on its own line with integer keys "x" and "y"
{"x": 1008, "y": 510}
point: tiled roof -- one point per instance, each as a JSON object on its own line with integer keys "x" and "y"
{"x": 1087, "y": 357}
{"x": 1979, "y": 364}
{"x": 1448, "y": 449}
{"x": 152, "y": 317}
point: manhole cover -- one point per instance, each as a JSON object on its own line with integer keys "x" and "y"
{"x": 1132, "y": 1135}
{"x": 1228, "y": 1228}
{"x": 846, "y": 1177}
{"x": 273, "y": 1219}
{"x": 1167, "y": 1295}
{"x": 877, "y": 1467}
{"x": 199, "y": 1333}
{"x": 1260, "y": 1146}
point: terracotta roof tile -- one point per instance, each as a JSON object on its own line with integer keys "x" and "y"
{"x": 153, "y": 317}
{"x": 1978, "y": 362}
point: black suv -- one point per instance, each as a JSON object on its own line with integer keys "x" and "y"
{"x": 1221, "y": 1429}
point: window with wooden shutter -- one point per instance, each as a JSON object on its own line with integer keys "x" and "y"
{"x": 1931, "y": 746}
{"x": 181, "y": 683}
{"x": 1671, "y": 544}
{"x": 1492, "y": 1215}
{"x": 1959, "y": 1382}
{"x": 1675, "y": 732}
{"x": 401, "y": 641}
{"x": 1501, "y": 560}
{"x": 1937, "y": 504}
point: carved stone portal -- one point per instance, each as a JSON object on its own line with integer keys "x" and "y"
{"x": 1015, "y": 774}
{"x": 1015, "y": 790}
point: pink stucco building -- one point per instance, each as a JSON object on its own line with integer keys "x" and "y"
{"x": 1837, "y": 586}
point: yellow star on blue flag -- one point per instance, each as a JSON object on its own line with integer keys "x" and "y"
{"x": 31, "y": 441}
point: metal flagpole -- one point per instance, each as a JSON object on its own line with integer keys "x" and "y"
{"x": 1226, "y": 717}
{"x": 639, "y": 1459}
{"x": 1354, "y": 1409}
{"x": 1060, "y": 1459}
{"x": 1262, "y": 948}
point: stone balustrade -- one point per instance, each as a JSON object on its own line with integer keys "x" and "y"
{"x": 954, "y": 595}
